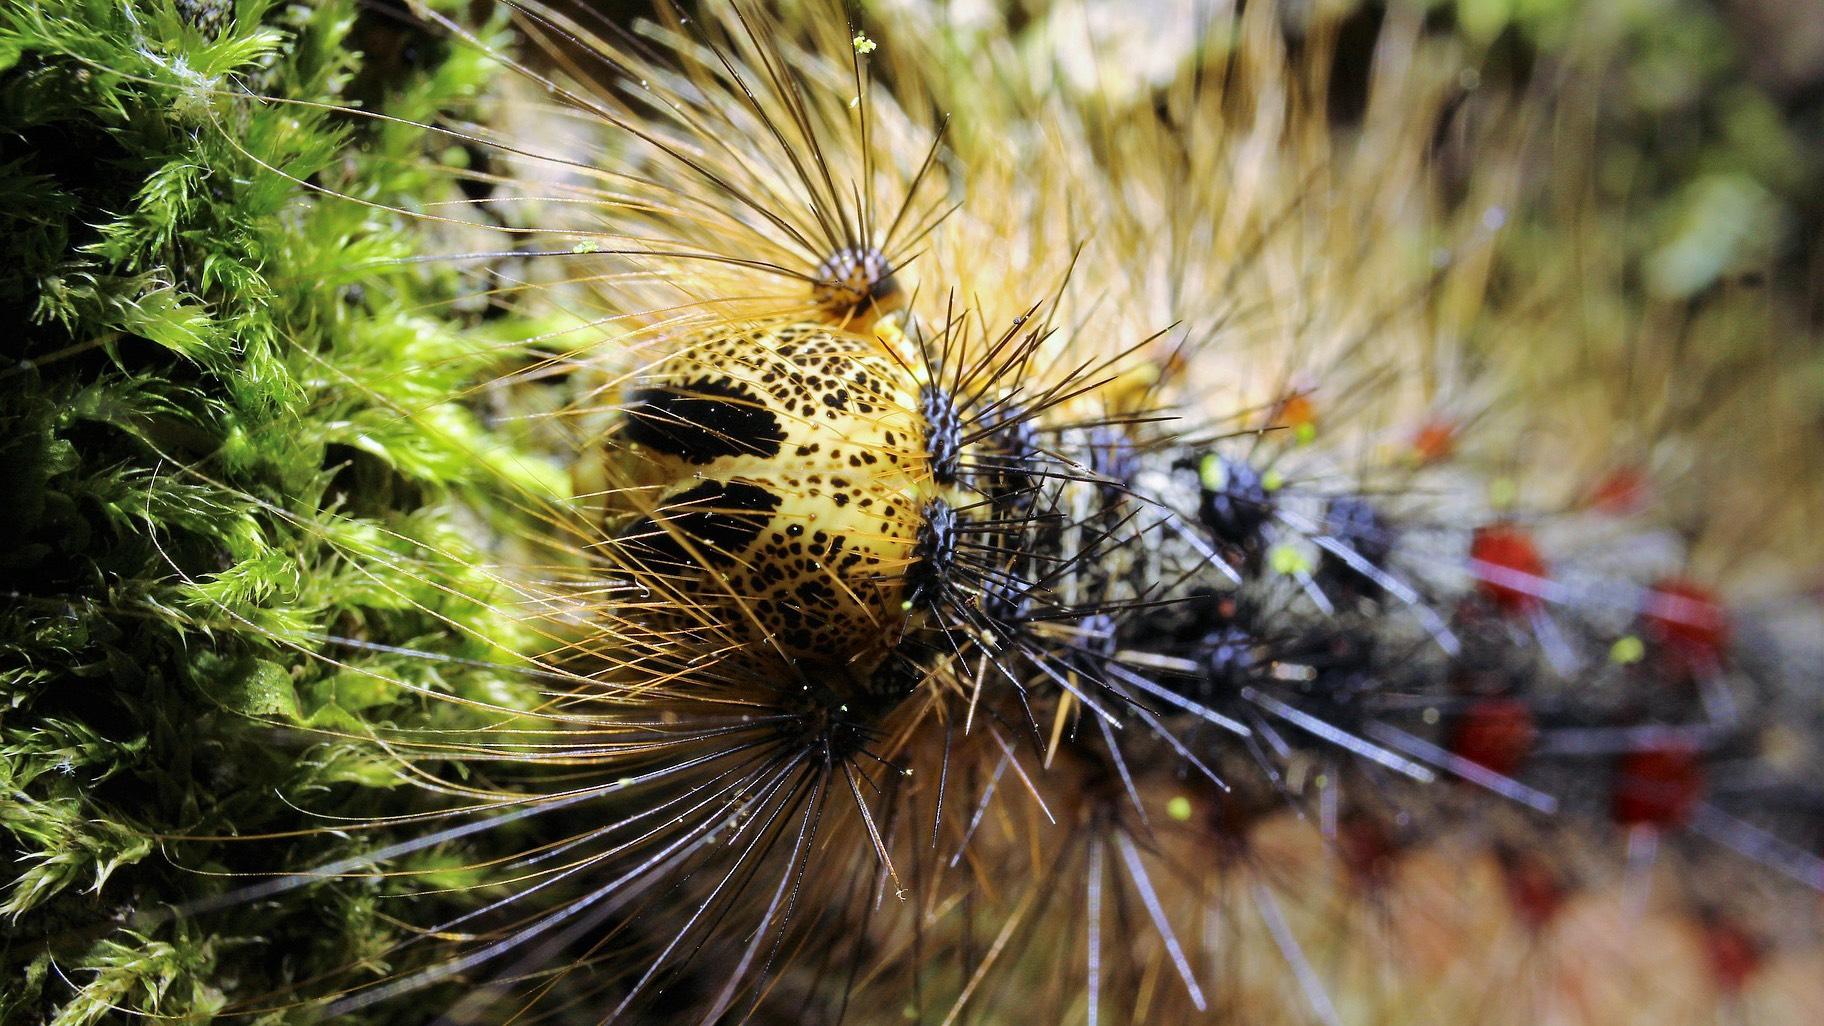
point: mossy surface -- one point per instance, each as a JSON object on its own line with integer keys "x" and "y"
{"x": 219, "y": 487}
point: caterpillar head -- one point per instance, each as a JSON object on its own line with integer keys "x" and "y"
{"x": 782, "y": 483}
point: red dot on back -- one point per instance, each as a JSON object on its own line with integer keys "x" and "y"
{"x": 1657, "y": 786}
{"x": 1687, "y": 623}
{"x": 1508, "y": 567}
{"x": 1495, "y": 733}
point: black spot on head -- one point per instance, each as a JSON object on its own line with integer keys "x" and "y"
{"x": 814, "y": 593}
{"x": 718, "y": 519}
{"x": 703, "y": 420}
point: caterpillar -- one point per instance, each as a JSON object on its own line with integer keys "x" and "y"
{"x": 1082, "y": 558}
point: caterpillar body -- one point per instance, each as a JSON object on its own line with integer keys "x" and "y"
{"x": 1069, "y": 561}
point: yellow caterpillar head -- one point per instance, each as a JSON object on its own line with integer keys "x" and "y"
{"x": 784, "y": 481}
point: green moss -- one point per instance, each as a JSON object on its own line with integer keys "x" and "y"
{"x": 214, "y": 460}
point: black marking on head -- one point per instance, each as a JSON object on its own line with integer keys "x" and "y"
{"x": 934, "y": 557}
{"x": 943, "y": 432}
{"x": 717, "y": 519}
{"x": 703, "y": 420}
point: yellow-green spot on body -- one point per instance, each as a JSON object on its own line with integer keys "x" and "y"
{"x": 1287, "y": 560}
{"x": 1272, "y": 480}
{"x": 1305, "y": 433}
{"x": 1212, "y": 473}
{"x": 1502, "y": 492}
{"x": 1627, "y": 650}
{"x": 1179, "y": 808}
